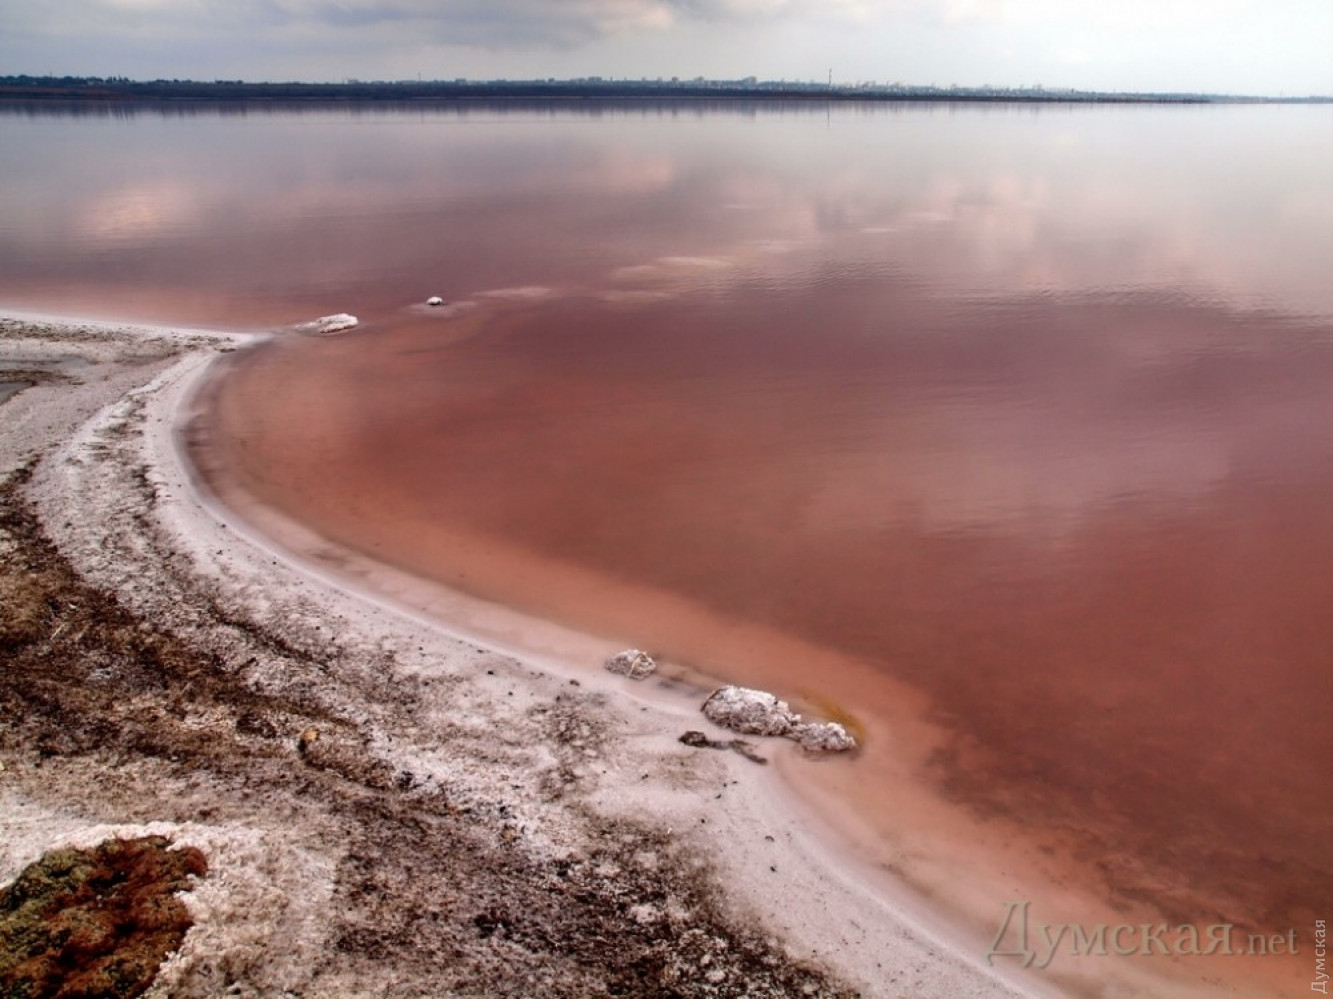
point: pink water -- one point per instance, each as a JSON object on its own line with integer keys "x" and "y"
{"x": 1006, "y": 435}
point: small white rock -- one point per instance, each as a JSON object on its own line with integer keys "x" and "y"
{"x": 632, "y": 663}
{"x": 435, "y": 300}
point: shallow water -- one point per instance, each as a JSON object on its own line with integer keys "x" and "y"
{"x": 1017, "y": 417}
{"x": 1109, "y": 582}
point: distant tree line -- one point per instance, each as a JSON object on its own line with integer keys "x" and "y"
{"x": 119, "y": 88}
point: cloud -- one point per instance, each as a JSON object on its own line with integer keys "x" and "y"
{"x": 485, "y": 23}
{"x": 1237, "y": 45}
{"x": 715, "y": 10}
{"x": 561, "y": 23}
{"x": 492, "y": 23}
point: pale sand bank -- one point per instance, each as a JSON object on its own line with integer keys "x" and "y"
{"x": 471, "y": 821}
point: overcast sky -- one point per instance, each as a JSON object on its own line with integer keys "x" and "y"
{"x": 1238, "y": 46}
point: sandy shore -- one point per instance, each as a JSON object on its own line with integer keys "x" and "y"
{"x": 474, "y": 818}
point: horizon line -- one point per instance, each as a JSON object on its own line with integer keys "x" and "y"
{"x": 110, "y": 87}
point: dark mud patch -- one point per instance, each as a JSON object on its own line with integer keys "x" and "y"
{"x": 99, "y": 922}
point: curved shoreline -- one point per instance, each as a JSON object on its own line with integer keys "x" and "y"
{"x": 808, "y": 886}
{"x": 115, "y": 498}
{"x": 838, "y": 888}
{"x": 952, "y": 866}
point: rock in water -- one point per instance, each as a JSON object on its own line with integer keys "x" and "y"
{"x": 823, "y": 737}
{"x": 632, "y": 663}
{"x": 327, "y": 324}
{"x": 757, "y": 712}
{"x": 754, "y": 712}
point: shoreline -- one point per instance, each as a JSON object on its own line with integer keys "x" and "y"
{"x": 675, "y": 693}
{"x": 834, "y": 879}
{"x": 782, "y": 858}
{"x": 84, "y": 491}
{"x": 101, "y": 91}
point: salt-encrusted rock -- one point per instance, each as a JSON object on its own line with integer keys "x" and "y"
{"x": 328, "y": 324}
{"x": 823, "y": 737}
{"x": 632, "y": 663}
{"x": 754, "y": 712}
{"x": 757, "y": 712}
{"x": 435, "y": 300}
